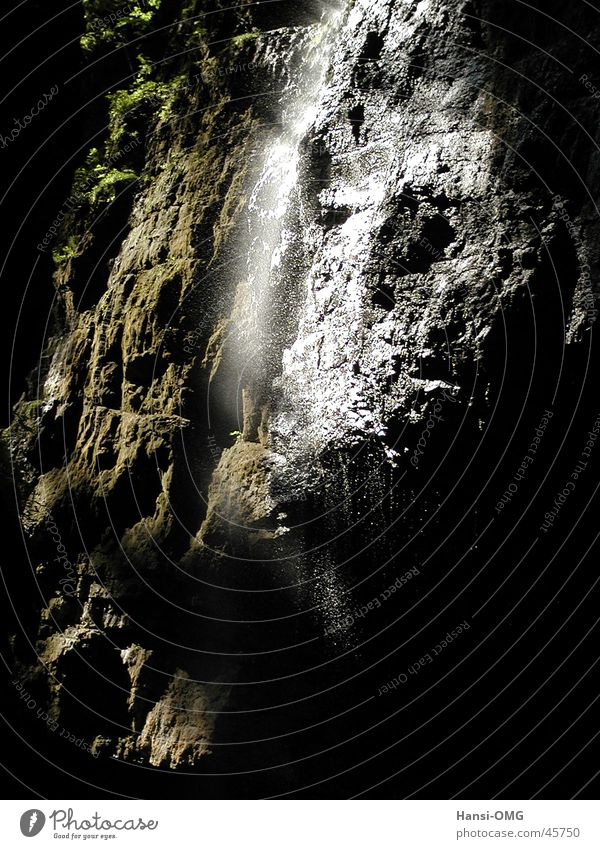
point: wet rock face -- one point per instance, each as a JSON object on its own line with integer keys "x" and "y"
{"x": 424, "y": 217}
{"x": 432, "y": 226}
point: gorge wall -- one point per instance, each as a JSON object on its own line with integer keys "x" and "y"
{"x": 323, "y": 270}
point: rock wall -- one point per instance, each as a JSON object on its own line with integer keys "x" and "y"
{"x": 198, "y": 524}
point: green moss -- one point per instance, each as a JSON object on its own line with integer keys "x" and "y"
{"x": 245, "y": 38}
{"x": 31, "y": 409}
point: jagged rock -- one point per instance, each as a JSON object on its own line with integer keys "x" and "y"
{"x": 413, "y": 220}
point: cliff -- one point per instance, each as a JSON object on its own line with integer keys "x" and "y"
{"x": 321, "y": 270}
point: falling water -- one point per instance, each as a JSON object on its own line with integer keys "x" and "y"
{"x": 272, "y": 273}
{"x": 277, "y": 259}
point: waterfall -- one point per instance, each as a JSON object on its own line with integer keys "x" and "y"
{"x": 274, "y": 260}
{"x": 276, "y": 254}
{"x": 272, "y": 271}
{"x": 305, "y": 229}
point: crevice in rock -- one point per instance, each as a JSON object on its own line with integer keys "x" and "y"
{"x": 98, "y": 687}
{"x": 384, "y": 297}
{"x": 356, "y": 116}
{"x": 372, "y": 47}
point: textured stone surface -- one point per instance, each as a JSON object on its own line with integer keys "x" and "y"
{"x": 422, "y": 224}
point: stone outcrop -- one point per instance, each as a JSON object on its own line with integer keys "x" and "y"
{"x": 428, "y": 213}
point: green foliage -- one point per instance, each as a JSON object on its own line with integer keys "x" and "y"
{"x": 116, "y": 22}
{"x": 98, "y": 181}
{"x": 127, "y": 105}
{"x": 190, "y": 10}
{"x": 111, "y": 183}
{"x": 67, "y": 251}
{"x": 86, "y": 176}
